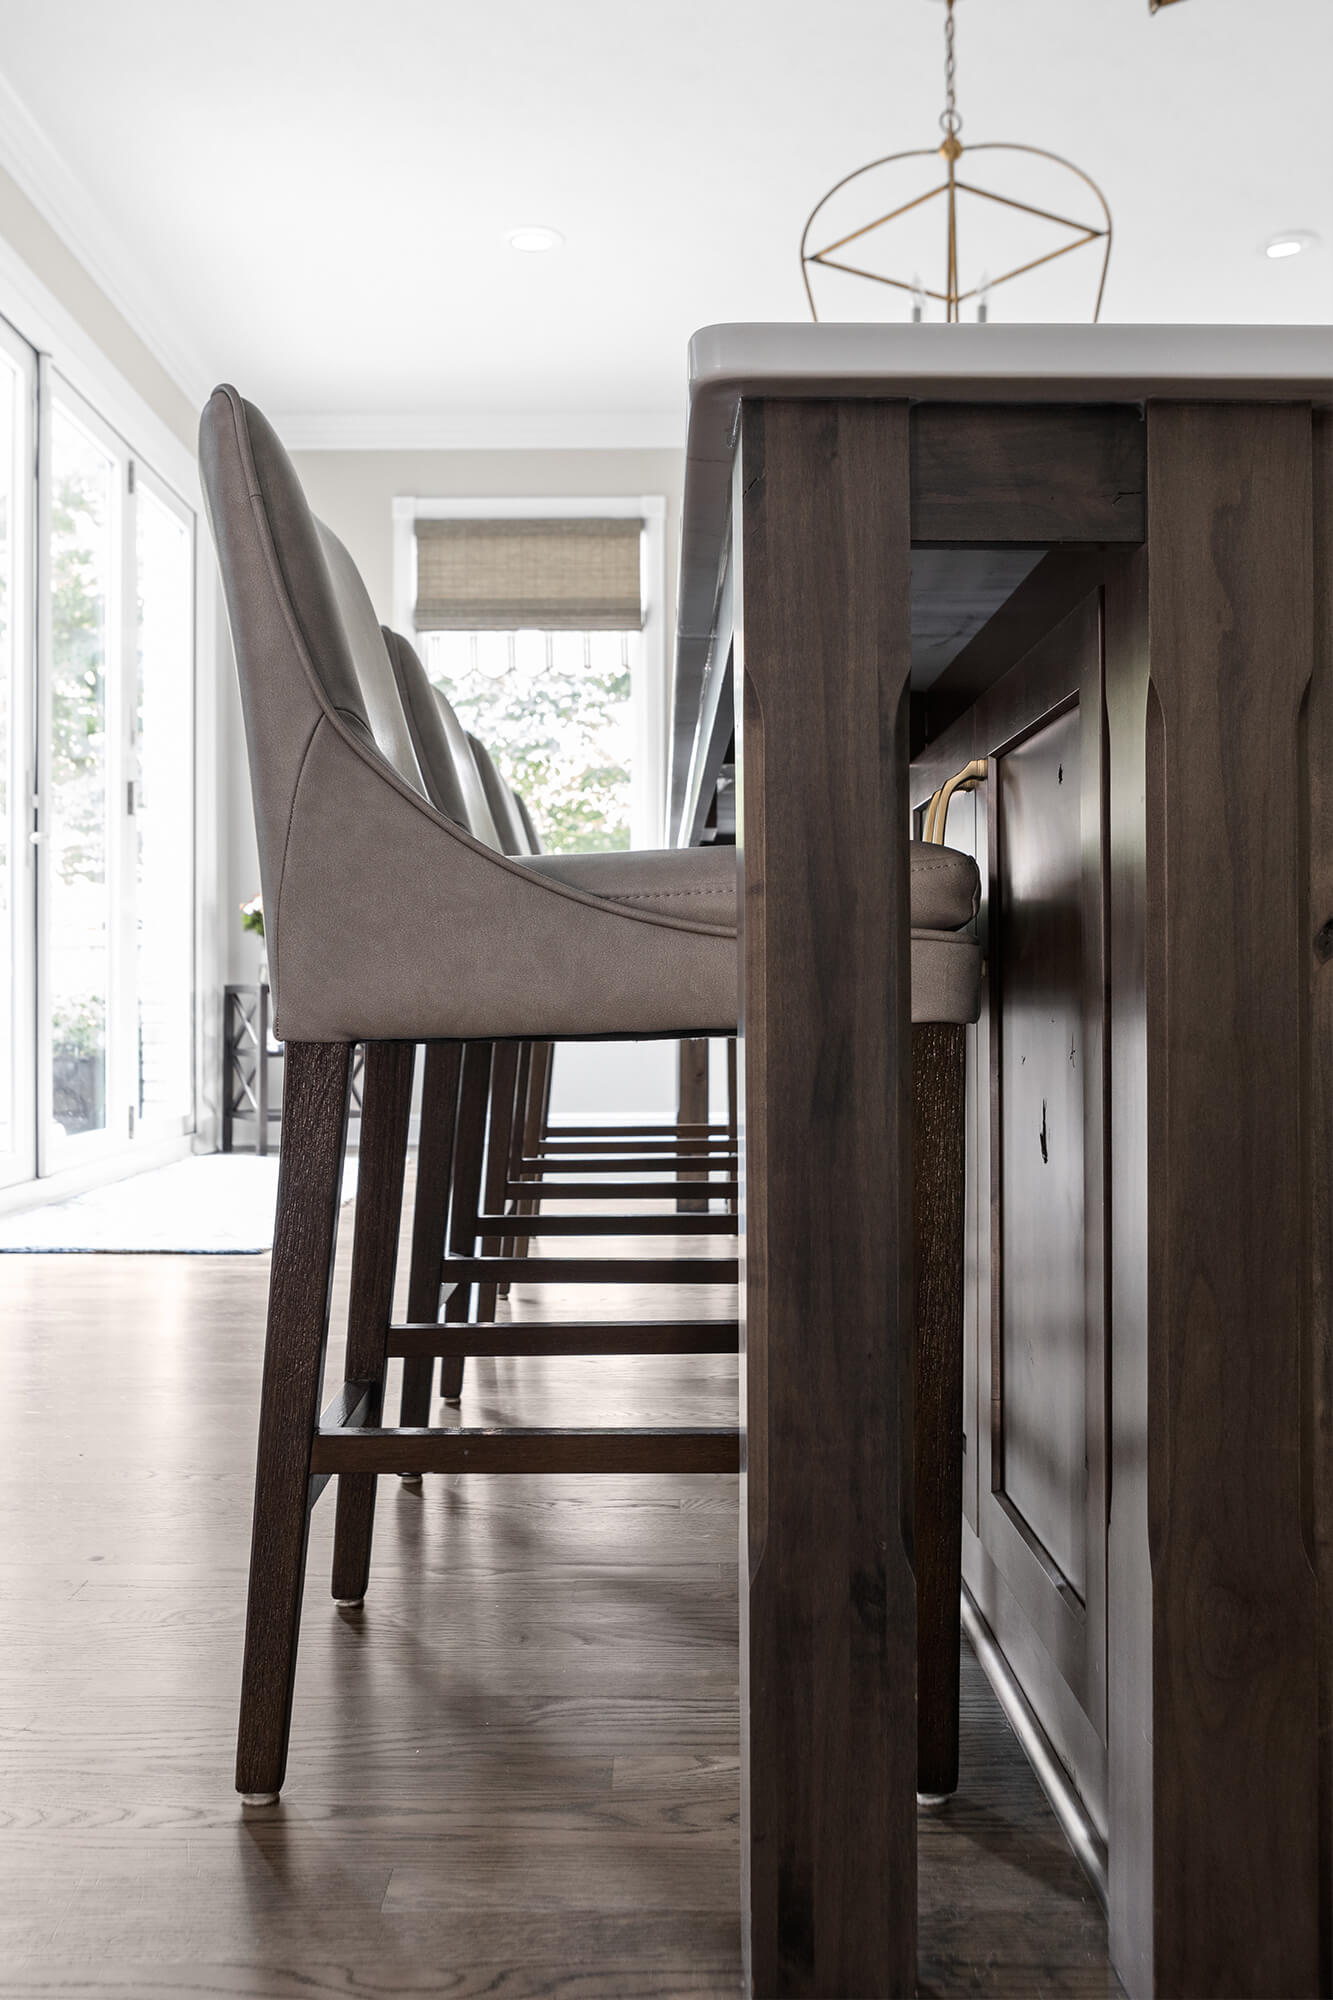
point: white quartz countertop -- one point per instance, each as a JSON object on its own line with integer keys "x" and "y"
{"x": 937, "y": 363}
{"x": 1030, "y": 364}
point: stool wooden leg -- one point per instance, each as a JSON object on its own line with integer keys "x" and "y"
{"x": 939, "y": 1055}
{"x": 733, "y": 1126}
{"x": 517, "y": 1127}
{"x": 536, "y": 1113}
{"x": 500, "y": 1128}
{"x": 692, "y": 1109}
{"x": 386, "y": 1107}
{"x": 430, "y": 1213}
{"x": 316, "y": 1093}
{"x": 473, "y": 1098}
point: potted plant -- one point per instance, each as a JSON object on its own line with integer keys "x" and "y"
{"x": 252, "y": 919}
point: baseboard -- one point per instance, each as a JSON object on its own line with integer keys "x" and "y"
{"x": 1051, "y": 1775}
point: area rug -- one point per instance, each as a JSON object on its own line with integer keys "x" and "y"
{"x": 218, "y": 1205}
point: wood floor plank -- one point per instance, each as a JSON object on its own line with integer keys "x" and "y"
{"x": 514, "y": 1774}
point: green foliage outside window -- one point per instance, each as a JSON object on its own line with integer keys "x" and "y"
{"x": 78, "y": 673}
{"x": 556, "y": 721}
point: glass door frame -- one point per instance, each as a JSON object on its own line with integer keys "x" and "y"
{"x": 148, "y": 1131}
{"x": 58, "y": 1155}
{"x": 19, "y": 1164}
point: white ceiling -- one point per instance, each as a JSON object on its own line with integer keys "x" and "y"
{"x": 312, "y": 199}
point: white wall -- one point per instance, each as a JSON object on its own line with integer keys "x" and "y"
{"x": 31, "y": 237}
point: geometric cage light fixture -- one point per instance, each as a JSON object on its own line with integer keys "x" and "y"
{"x": 961, "y": 181}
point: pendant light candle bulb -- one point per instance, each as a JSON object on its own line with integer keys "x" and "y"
{"x": 983, "y": 299}
{"x": 918, "y": 299}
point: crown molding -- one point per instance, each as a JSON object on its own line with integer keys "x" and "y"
{"x": 60, "y": 197}
{"x": 482, "y": 430}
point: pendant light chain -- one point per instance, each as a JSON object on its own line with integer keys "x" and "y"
{"x": 950, "y": 122}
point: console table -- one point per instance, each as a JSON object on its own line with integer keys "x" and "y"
{"x": 1100, "y": 560}
{"x": 248, "y": 1050}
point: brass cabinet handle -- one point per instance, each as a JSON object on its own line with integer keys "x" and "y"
{"x": 937, "y": 812}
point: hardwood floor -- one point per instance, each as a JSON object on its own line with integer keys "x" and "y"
{"x": 513, "y": 1774}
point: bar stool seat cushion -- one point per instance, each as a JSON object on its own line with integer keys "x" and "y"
{"x": 386, "y": 920}
{"x": 946, "y": 976}
{"x": 694, "y": 882}
{"x": 701, "y": 882}
{"x": 946, "y": 888}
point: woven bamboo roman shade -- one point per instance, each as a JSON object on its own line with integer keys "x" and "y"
{"x": 509, "y": 576}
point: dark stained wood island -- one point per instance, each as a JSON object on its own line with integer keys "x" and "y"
{"x": 1100, "y": 559}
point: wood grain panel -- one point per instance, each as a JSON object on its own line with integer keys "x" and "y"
{"x": 1037, "y": 962}
{"x": 1317, "y": 1068}
{"x": 1133, "y": 735}
{"x": 1040, "y": 1581}
{"x": 1234, "y": 1712}
{"x": 1040, "y": 474}
{"x": 823, "y": 653}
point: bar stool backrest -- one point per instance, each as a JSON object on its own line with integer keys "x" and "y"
{"x": 370, "y": 701}
{"x": 500, "y": 799}
{"x": 529, "y": 825}
{"x": 453, "y": 783}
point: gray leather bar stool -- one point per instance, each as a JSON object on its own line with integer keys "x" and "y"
{"x": 452, "y": 1206}
{"x": 648, "y": 1149}
{"x": 390, "y": 924}
{"x": 519, "y": 1103}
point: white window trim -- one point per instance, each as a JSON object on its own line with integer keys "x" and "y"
{"x": 61, "y": 343}
{"x": 650, "y": 691}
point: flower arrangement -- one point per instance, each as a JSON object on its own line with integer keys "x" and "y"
{"x": 252, "y": 915}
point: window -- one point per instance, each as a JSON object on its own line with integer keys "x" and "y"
{"x": 555, "y": 711}
{"x": 543, "y": 622}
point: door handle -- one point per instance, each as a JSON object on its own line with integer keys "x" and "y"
{"x": 937, "y": 812}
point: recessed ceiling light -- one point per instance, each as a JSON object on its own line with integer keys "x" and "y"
{"x": 1290, "y": 243}
{"x": 533, "y": 239}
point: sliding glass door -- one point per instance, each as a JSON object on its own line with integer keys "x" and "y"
{"x": 82, "y": 779}
{"x": 115, "y": 785}
{"x": 162, "y": 858}
{"x": 18, "y": 486}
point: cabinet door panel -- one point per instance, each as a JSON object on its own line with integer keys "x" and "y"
{"x": 1035, "y": 1324}
{"x": 1040, "y": 1465}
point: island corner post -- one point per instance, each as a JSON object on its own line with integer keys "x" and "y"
{"x": 1220, "y": 745}
{"x": 1218, "y": 693}
{"x": 822, "y": 580}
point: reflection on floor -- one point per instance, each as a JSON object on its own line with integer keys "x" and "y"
{"x": 515, "y": 1773}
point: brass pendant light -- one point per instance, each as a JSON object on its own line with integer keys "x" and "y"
{"x": 953, "y": 153}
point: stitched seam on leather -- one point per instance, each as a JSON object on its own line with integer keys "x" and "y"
{"x": 634, "y": 895}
